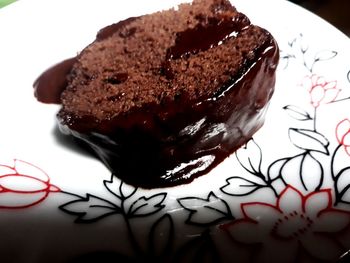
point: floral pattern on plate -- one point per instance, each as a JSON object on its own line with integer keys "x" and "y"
{"x": 303, "y": 212}
{"x": 23, "y": 185}
{"x": 308, "y": 190}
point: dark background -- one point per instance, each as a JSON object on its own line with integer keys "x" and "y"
{"x": 337, "y": 12}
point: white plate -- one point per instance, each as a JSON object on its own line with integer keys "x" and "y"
{"x": 285, "y": 197}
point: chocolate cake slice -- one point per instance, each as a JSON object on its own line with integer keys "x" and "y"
{"x": 163, "y": 98}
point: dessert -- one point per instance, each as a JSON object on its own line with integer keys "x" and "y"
{"x": 163, "y": 98}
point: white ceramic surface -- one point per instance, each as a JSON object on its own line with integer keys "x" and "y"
{"x": 284, "y": 197}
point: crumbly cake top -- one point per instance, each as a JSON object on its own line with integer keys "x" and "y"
{"x": 190, "y": 51}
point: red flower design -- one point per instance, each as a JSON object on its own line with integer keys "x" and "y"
{"x": 343, "y": 134}
{"x": 321, "y": 91}
{"x": 296, "y": 221}
{"x": 23, "y": 185}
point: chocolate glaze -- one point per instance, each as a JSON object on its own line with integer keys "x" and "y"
{"x": 202, "y": 37}
{"x": 50, "y": 84}
{"x": 174, "y": 142}
{"x": 108, "y": 31}
{"x": 162, "y": 152}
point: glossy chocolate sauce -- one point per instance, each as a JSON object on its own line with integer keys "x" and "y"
{"x": 147, "y": 150}
{"x": 202, "y": 37}
{"x": 192, "y": 142}
{"x": 50, "y": 84}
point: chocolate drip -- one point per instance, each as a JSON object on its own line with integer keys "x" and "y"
{"x": 108, "y": 31}
{"x": 190, "y": 144}
{"x": 201, "y": 38}
{"x": 50, "y": 84}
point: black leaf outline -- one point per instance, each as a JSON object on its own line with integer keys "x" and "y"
{"x": 133, "y": 211}
{"x": 256, "y": 171}
{"x": 127, "y": 213}
{"x": 112, "y": 208}
{"x": 286, "y": 58}
{"x": 252, "y": 170}
{"x": 223, "y": 215}
{"x": 303, "y": 48}
{"x": 153, "y": 239}
{"x": 336, "y": 177}
{"x": 320, "y": 56}
{"x": 297, "y": 113}
{"x": 143, "y": 202}
{"x": 301, "y": 171}
{"x": 342, "y": 191}
{"x": 294, "y": 40}
{"x": 299, "y": 49}
{"x": 310, "y": 137}
{"x": 279, "y": 175}
{"x": 255, "y": 186}
{"x": 122, "y": 192}
{"x": 121, "y": 195}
